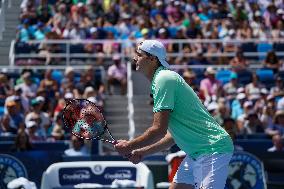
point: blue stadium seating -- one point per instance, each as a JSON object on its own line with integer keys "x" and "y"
{"x": 244, "y": 77}
{"x": 22, "y": 48}
{"x": 199, "y": 74}
{"x": 57, "y": 76}
{"x": 223, "y": 76}
{"x": 264, "y": 47}
{"x": 266, "y": 77}
{"x": 279, "y": 47}
{"x": 249, "y": 47}
{"x": 1, "y": 111}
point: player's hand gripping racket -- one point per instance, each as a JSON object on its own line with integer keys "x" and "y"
{"x": 86, "y": 121}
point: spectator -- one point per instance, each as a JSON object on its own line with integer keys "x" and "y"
{"x": 40, "y": 32}
{"x": 13, "y": 119}
{"x": 230, "y": 89}
{"x": 32, "y": 131}
{"x": 28, "y": 87}
{"x": 189, "y": 77}
{"x": 222, "y": 113}
{"x": 91, "y": 78}
{"x": 49, "y": 90}
{"x": 272, "y": 62}
{"x": 277, "y": 128}
{"x": 42, "y": 118}
{"x": 253, "y": 89}
{"x": 57, "y": 132}
{"x": 268, "y": 111}
{"x": 117, "y": 75}
{"x": 24, "y": 34}
{"x": 61, "y": 17}
{"x": 237, "y": 105}
{"x": 29, "y": 12}
{"x": 77, "y": 147}
{"x": 277, "y": 144}
{"x": 278, "y": 89}
{"x": 22, "y": 142}
{"x": 229, "y": 125}
{"x": 5, "y": 89}
{"x": 74, "y": 32}
{"x": 210, "y": 87}
{"x": 252, "y": 124}
{"x": 239, "y": 63}
{"x": 68, "y": 82}
{"x": 241, "y": 119}
{"x": 96, "y": 47}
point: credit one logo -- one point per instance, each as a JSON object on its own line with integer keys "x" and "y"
{"x": 120, "y": 174}
{"x": 77, "y": 175}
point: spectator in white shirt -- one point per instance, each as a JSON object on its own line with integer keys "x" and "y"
{"x": 277, "y": 144}
{"x": 77, "y": 148}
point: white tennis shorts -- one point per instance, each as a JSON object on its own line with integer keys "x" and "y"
{"x": 205, "y": 172}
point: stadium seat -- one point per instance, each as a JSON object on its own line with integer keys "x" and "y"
{"x": 263, "y": 48}
{"x": 244, "y": 77}
{"x": 1, "y": 111}
{"x": 266, "y": 77}
{"x": 22, "y": 48}
{"x": 279, "y": 47}
{"x": 77, "y": 49}
{"x": 249, "y": 47}
{"x": 57, "y": 76}
{"x": 64, "y": 174}
{"x": 223, "y": 76}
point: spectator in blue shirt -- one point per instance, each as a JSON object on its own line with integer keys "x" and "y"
{"x": 277, "y": 128}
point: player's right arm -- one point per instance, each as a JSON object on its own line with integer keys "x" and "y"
{"x": 164, "y": 143}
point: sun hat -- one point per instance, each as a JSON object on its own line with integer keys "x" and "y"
{"x": 157, "y": 49}
{"x": 210, "y": 70}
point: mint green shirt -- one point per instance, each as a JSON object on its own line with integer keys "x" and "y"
{"x": 194, "y": 130}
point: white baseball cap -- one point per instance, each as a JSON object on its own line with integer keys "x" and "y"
{"x": 241, "y": 96}
{"x": 30, "y": 124}
{"x": 157, "y": 49}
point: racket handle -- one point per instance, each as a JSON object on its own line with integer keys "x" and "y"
{"x": 128, "y": 155}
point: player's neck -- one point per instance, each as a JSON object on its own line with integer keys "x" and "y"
{"x": 151, "y": 72}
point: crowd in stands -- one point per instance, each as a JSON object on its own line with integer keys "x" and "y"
{"x": 31, "y": 104}
{"x": 137, "y": 20}
{"x": 245, "y": 103}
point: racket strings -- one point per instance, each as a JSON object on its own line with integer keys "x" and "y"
{"x": 86, "y": 121}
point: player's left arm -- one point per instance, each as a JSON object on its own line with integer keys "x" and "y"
{"x": 155, "y": 133}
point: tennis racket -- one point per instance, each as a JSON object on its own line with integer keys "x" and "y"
{"x": 86, "y": 121}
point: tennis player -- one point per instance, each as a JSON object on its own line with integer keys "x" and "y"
{"x": 181, "y": 118}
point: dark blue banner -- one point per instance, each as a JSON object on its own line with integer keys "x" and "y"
{"x": 72, "y": 176}
{"x": 245, "y": 172}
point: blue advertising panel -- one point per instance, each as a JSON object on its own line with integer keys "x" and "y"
{"x": 245, "y": 172}
{"x": 10, "y": 169}
{"x": 100, "y": 175}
